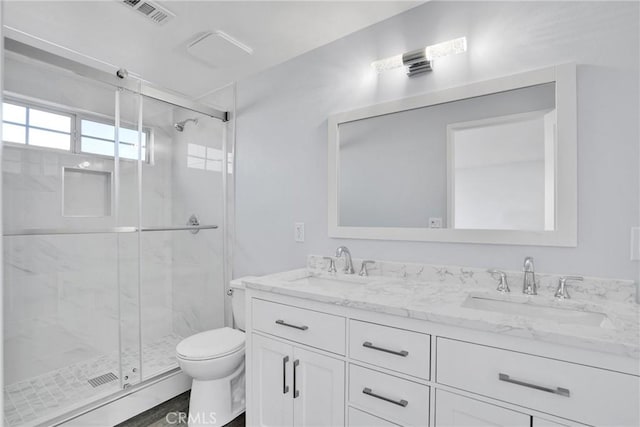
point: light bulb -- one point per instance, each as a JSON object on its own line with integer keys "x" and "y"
{"x": 450, "y": 47}
{"x": 387, "y": 63}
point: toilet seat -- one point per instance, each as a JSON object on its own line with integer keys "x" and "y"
{"x": 211, "y": 344}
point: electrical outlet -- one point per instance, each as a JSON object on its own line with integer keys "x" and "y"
{"x": 635, "y": 243}
{"x": 298, "y": 231}
{"x": 435, "y": 222}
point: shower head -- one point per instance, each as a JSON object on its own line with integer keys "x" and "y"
{"x": 180, "y": 125}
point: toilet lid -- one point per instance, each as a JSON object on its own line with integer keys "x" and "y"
{"x": 211, "y": 344}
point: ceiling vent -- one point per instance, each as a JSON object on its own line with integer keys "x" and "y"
{"x": 218, "y": 49}
{"x": 151, "y": 10}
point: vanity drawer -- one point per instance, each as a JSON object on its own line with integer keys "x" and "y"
{"x": 320, "y": 330}
{"x": 581, "y": 393}
{"x": 392, "y": 348}
{"x": 389, "y": 397}
{"x": 359, "y": 418}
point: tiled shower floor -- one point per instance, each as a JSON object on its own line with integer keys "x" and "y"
{"x": 31, "y": 401}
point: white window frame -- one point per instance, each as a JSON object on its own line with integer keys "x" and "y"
{"x": 76, "y": 117}
{"x": 27, "y": 126}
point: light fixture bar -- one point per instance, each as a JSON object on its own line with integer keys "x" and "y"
{"x": 421, "y": 60}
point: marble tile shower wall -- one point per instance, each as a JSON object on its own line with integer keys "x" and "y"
{"x": 61, "y": 302}
{"x": 197, "y": 289}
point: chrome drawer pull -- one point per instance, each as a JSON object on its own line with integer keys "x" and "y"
{"x": 283, "y": 323}
{"x": 368, "y": 392}
{"x": 402, "y": 353}
{"x": 558, "y": 390}
{"x": 285, "y": 387}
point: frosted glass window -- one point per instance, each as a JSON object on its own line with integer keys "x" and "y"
{"x": 14, "y": 133}
{"x": 99, "y": 138}
{"x": 48, "y": 139}
{"x": 96, "y": 146}
{"x": 98, "y": 130}
{"x": 46, "y": 120}
{"x": 30, "y": 126}
{"x": 14, "y": 113}
{"x": 48, "y": 128}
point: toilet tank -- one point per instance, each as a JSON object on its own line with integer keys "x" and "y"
{"x": 238, "y": 302}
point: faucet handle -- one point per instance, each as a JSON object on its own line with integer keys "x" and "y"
{"x": 332, "y": 264}
{"x": 561, "y": 292}
{"x": 503, "y": 285}
{"x": 363, "y": 269}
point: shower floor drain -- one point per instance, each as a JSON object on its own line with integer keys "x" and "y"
{"x": 102, "y": 379}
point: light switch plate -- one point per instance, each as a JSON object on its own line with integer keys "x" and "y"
{"x": 298, "y": 232}
{"x": 635, "y": 243}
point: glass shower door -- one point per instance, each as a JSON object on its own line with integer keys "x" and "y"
{"x": 70, "y": 247}
{"x": 113, "y": 214}
{"x": 128, "y": 154}
{"x": 181, "y": 281}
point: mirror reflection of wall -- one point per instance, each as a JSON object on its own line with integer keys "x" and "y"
{"x": 394, "y": 169}
{"x": 502, "y": 172}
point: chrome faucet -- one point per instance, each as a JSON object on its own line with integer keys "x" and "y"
{"x": 363, "y": 269}
{"x": 503, "y": 284}
{"x": 529, "y": 285}
{"x": 332, "y": 264}
{"x": 561, "y": 292}
{"x": 348, "y": 264}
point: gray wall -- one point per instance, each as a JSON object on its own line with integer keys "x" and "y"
{"x": 282, "y": 129}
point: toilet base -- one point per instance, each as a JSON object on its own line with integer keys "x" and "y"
{"x": 217, "y": 402}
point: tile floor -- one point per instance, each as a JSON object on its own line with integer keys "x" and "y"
{"x": 31, "y": 401}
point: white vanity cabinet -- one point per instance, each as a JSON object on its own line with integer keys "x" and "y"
{"x": 573, "y": 391}
{"x": 453, "y": 410}
{"x": 313, "y": 363}
{"x": 294, "y": 386}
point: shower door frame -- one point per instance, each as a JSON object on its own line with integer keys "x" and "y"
{"x": 137, "y": 87}
{"x": 167, "y": 381}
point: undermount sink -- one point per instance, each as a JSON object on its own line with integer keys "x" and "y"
{"x": 325, "y": 281}
{"x": 561, "y": 315}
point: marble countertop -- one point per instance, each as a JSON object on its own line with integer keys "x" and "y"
{"x": 442, "y": 302}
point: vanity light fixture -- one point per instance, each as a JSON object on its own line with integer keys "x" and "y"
{"x": 421, "y": 60}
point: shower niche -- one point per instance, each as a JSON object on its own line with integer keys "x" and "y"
{"x": 86, "y": 193}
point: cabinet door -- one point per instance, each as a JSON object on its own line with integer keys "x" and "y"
{"x": 272, "y": 383}
{"x": 453, "y": 410}
{"x": 359, "y": 418}
{"x": 319, "y": 389}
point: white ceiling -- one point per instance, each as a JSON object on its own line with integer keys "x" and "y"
{"x": 107, "y": 34}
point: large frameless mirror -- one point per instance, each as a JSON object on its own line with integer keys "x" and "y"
{"x": 491, "y": 162}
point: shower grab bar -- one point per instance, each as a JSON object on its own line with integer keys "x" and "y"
{"x": 110, "y": 230}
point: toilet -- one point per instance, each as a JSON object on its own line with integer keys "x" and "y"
{"x": 215, "y": 361}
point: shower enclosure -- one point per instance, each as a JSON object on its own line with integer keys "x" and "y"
{"x": 114, "y": 207}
